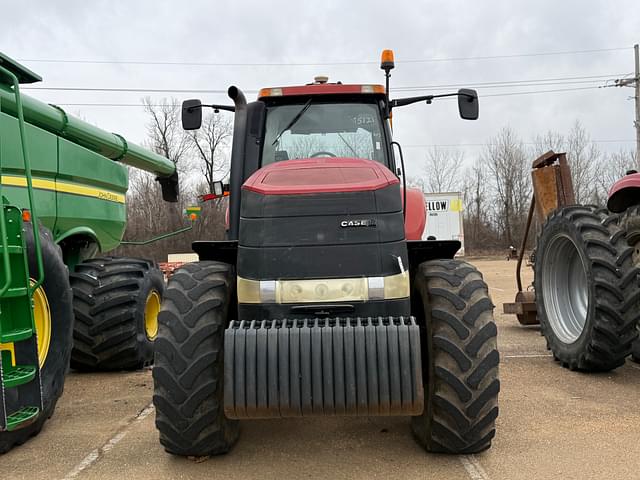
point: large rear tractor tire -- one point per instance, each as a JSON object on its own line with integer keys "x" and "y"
{"x": 586, "y": 289}
{"x": 631, "y": 224}
{"x": 188, "y": 373}
{"x": 53, "y": 318}
{"x": 460, "y": 358}
{"x": 116, "y": 303}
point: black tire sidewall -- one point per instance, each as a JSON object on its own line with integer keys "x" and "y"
{"x": 631, "y": 225}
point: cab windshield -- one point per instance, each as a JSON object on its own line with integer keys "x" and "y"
{"x": 323, "y": 130}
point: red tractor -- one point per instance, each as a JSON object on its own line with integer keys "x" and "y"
{"x": 324, "y": 300}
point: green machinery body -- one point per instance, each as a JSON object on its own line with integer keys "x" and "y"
{"x": 79, "y": 173}
{"x": 72, "y": 178}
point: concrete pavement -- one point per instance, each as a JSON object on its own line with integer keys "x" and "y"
{"x": 553, "y": 423}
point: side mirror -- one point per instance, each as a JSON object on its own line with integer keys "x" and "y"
{"x": 219, "y": 190}
{"x": 468, "y": 104}
{"x": 191, "y": 114}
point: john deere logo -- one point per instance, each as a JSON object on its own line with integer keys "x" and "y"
{"x": 358, "y": 223}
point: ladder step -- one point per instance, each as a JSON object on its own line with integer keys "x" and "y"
{"x": 16, "y": 292}
{"x": 12, "y": 249}
{"x": 22, "y": 416}
{"x": 19, "y": 375}
{"x": 16, "y": 335}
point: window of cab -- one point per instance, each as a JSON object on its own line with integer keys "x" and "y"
{"x": 324, "y": 129}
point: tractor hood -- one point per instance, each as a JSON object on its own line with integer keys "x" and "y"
{"x": 320, "y": 175}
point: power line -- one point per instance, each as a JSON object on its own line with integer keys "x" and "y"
{"x": 496, "y": 84}
{"x": 313, "y": 64}
{"x": 532, "y": 92}
{"x": 540, "y": 81}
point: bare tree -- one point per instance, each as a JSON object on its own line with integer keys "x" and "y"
{"x": 442, "y": 170}
{"x": 210, "y": 146}
{"x": 164, "y": 129}
{"x": 416, "y": 182}
{"x": 549, "y": 141}
{"x": 584, "y": 159}
{"x": 476, "y": 216}
{"x": 506, "y": 161}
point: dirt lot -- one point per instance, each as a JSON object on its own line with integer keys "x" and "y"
{"x": 553, "y": 424}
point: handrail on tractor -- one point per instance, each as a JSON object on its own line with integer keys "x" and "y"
{"x": 32, "y": 209}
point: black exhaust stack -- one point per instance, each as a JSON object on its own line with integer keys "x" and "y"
{"x": 237, "y": 159}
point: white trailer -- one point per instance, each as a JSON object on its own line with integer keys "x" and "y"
{"x": 444, "y": 217}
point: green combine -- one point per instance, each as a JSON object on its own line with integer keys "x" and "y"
{"x": 63, "y": 191}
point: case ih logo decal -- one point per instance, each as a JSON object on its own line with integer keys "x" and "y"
{"x": 358, "y": 223}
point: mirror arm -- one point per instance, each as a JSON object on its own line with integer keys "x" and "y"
{"x": 401, "y": 102}
{"x": 228, "y": 108}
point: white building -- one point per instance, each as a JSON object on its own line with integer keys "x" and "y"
{"x": 444, "y": 217}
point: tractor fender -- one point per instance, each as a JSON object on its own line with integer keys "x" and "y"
{"x": 416, "y": 214}
{"x": 624, "y": 193}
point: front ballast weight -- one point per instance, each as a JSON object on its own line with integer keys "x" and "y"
{"x": 329, "y": 366}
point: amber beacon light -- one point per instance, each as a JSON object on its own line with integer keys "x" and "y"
{"x": 386, "y": 61}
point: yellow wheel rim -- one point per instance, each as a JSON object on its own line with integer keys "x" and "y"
{"x": 42, "y": 321}
{"x": 151, "y": 310}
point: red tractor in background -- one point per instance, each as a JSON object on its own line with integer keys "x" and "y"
{"x": 324, "y": 300}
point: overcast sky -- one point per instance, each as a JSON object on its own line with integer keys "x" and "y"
{"x": 298, "y": 32}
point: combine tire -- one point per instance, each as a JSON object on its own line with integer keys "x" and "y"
{"x": 53, "y": 314}
{"x": 586, "y": 289}
{"x": 188, "y": 373}
{"x": 631, "y": 225}
{"x": 116, "y": 303}
{"x": 460, "y": 358}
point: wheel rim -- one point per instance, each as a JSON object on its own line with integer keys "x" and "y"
{"x": 565, "y": 288}
{"x": 151, "y": 310}
{"x": 42, "y": 321}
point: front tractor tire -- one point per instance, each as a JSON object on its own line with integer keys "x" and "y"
{"x": 460, "y": 358}
{"x": 586, "y": 289}
{"x": 116, "y": 303}
{"x": 53, "y": 318}
{"x": 188, "y": 373}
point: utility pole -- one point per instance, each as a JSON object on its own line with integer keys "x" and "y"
{"x": 635, "y": 82}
